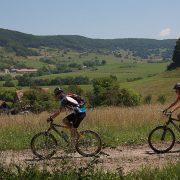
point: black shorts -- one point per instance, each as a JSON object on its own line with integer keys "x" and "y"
{"x": 76, "y": 118}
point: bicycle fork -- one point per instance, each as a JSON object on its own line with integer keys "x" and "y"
{"x": 165, "y": 127}
{"x": 164, "y": 132}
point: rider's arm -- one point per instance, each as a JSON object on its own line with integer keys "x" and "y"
{"x": 176, "y": 107}
{"x": 173, "y": 104}
{"x": 57, "y": 112}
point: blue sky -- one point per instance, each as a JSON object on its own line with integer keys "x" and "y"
{"x": 158, "y": 19}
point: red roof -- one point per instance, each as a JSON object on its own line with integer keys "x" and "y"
{"x": 26, "y": 70}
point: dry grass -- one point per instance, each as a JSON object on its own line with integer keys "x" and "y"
{"x": 115, "y": 125}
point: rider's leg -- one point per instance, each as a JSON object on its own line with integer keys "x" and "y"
{"x": 73, "y": 121}
{"x": 68, "y": 121}
{"x": 76, "y": 123}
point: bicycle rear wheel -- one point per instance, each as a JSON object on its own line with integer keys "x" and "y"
{"x": 161, "y": 139}
{"x": 89, "y": 143}
{"x": 44, "y": 145}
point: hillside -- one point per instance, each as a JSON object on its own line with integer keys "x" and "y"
{"x": 161, "y": 84}
{"x": 21, "y": 42}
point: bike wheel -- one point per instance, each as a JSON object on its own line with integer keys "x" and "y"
{"x": 44, "y": 145}
{"x": 88, "y": 144}
{"x": 161, "y": 139}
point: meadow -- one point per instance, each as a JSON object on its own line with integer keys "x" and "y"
{"x": 116, "y": 126}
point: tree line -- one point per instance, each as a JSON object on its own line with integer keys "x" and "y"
{"x": 21, "y": 43}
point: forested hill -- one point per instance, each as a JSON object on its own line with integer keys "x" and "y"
{"x": 16, "y": 40}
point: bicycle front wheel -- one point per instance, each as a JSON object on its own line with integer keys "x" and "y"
{"x": 89, "y": 143}
{"x": 161, "y": 139}
{"x": 44, "y": 145}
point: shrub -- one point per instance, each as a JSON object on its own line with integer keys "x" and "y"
{"x": 9, "y": 84}
{"x": 128, "y": 97}
{"x": 39, "y": 100}
{"x": 148, "y": 99}
{"x": 7, "y": 95}
{"x": 75, "y": 89}
{"x": 161, "y": 99}
{"x": 106, "y": 92}
{"x": 133, "y": 79}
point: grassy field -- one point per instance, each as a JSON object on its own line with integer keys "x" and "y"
{"x": 122, "y": 71}
{"x": 161, "y": 84}
{"x": 116, "y": 126}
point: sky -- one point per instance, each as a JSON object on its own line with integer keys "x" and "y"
{"x": 107, "y": 19}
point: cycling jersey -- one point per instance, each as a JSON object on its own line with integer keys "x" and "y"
{"x": 72, "y": 104}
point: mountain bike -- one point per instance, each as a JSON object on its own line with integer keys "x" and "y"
{"x": 44, "y": 144}
{"x": 162, "y": 138}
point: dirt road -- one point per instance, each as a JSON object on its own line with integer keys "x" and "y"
{"x": 126, "y": 158}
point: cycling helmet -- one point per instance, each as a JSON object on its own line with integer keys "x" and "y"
{"x": 177, "y": 86}
{"x": 58, "y": 90}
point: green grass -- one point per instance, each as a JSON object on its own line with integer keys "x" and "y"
{"x": 123, "y": 71}
{"x": 161, "y": 84}
{"x": 116, "y": 126}
{"x": 1, "y": 83}
{"x": 170, "y": 172}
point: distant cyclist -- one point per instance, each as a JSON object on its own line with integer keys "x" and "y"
{"x": 176, "y": 104}
{"x": 71, "y": 102}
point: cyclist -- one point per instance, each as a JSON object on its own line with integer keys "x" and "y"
{"x": 73, "y": 120}
{"x": 176, "y": 104}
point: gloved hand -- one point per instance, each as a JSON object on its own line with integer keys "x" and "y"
{"x": 50, "y": 119}
{"x": 164, "y": 111}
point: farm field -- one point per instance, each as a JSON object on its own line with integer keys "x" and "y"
{"x": 122, "y": 70}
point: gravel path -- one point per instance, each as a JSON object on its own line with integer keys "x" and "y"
{"x": 125, "y": 158}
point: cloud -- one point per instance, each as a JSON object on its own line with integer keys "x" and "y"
{"x": 165, "y": 32}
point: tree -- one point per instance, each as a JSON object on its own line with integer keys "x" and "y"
{"x": 176, "y": 57}
{"x": 9, "y": 84}
{"x": 105, "y": 91}
{"x": 103, "y": 62}
{"x": 75, "y": 89}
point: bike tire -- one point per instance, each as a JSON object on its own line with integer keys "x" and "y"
{"x": 170, "y": 144}
{"x": 96, "y": 137}
{"x": 44, "y": 135}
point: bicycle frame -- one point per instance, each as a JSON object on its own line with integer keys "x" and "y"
{"x": 60, "y": 133}
{"x": 171, "y": 121}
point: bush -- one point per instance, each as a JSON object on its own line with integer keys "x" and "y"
{"x": 9, "y": 84}
{"x": 75, "y": 89}
{"x": 26, "y": 80}
{"x": 106, "y": 92}
{"x": 40, "y": 101}
{"x": 148, "y": 99}
{"x": 7, "y": 95}
{"x": 133, "y": 79}
{"x": 128, "y": 97}
{"x": 161, "y": 99}
{"x": 6, "y": 77}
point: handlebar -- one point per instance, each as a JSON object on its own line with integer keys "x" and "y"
{"x": 50, "y": 119}
{"x": 167, "y": 113}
